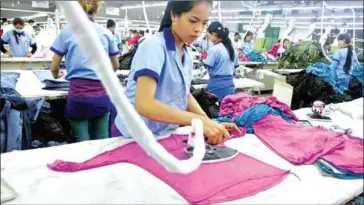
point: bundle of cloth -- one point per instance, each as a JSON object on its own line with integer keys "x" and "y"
{"x": 317, "y": 83}
{"x": 256, "y": 57}
{"x": 45, "y": 76}
{"x": 274, "y": 123}
{"x": 16, "y": 115}
{"x": 301, "y": 55}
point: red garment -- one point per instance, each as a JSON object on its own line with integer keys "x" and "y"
{"x": 238, "y": 103}
{"x": 212, "y": 183}
{"x": 134, "y": 40}
{"x": 274, "y": 50}
{"x": 301, "y": 145}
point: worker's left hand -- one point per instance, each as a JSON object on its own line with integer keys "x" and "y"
{"x": 29, "y": 55}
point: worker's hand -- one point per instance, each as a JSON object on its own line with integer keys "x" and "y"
{"x": 232, "y": 127}
{"x": 216, "y": 133}
{"x": 9, "y": 54}
{"x": 29, "y": 55}
{"x": 60, "y": 74}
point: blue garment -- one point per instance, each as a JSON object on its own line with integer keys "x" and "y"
{"x": 158, "y": 58}
{"x": 20, "y": 49}
{"x": 326, "y": 72}
{"x": 17, "y": 115}
{"x": 247, "y": 46}
{"x": 203, "y": 43}
{"x": 336, "y": 172}
{"x": 9, "y": 79}
{"x": 256, "y": 113}
{"x": 358, "y": 71}
{"x": 221, "y": 70}
{"x": 76, "y": 63}
{"x": 256, "y": 57}
{"x": 340, "y": 57}
{"x": 51, "y": 83}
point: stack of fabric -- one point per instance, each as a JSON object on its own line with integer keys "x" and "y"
{"x": 256, "y": 57}
{"x": 51, "y": 83}
{"x": 301, "y": 55}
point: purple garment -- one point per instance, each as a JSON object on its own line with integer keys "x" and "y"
{"x": 86, "y": 99}
{"x": 301, "y": 145}
{"x": 237, "y": 178}
{"x": 236, "y": 104}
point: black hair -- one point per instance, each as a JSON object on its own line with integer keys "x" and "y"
{"x": 249, "y": 33}
{"x": 31, "y": 21}
{"x": 110, "y": 23}
{"x": 17, "y": 21}
{"x": 279, "y": 40}
{"x": 4, "y": 20}
{"x": 147, "y": 31}
{"x": 236, "y": 34}
{"x": 141, "y": 33}
{"x": 347, "y": 39}
{"x": 177, "y": 8}
{"x": 223, "y": 33}
{"x": 285, "y": 40}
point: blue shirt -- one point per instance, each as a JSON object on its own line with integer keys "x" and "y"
{"x": 247, "y": 47}
{"x": 340, "y": 57}
{"x": 218, "y": 61}
{"x": 77, "y": 64}
{"x": 158, "y": 58}
{"x": 203, "y": 43}
{"x": 21, "y": 49}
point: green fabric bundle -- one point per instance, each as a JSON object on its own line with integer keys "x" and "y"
{"x": 302, "y": 55}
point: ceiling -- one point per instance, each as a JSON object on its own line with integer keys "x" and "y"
{"x": 155, "y": 13}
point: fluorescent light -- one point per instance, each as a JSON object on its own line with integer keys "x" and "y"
{"x": 146, "y": 5}
{"x": 266, "y": 9}
{"x": 344, "y": 7}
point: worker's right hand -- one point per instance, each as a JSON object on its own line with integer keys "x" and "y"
{"x": 216, "y": 133}
{"x": 9, "y": 54}
{"x": 60, "y": 74}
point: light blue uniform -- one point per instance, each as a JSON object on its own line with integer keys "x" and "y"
{"x": 221, "y": 70}
{"x": 340, "y": 58}
{"x": 158, "y": 58}
{"x": 76, "y": 63}
{"x": 117, "y": 39}
{"x": 204, "y": 44}
{"x": 247, "y": 47}
{"x": 21, "y": 49}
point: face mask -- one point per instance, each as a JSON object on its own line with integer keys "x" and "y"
{"x": 18, "y": 30}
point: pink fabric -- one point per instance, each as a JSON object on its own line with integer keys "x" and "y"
{"x": 301, "y": 145}
{"x": 274, "y": 50}
{"x": 212, "y": 183}
{"x": 237, "y": 104}
{"x": 348, "y": 157}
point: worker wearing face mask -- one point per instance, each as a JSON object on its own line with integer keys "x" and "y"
{"x": 19, "y": 41}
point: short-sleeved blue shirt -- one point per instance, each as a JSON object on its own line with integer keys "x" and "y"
{"x": 158, "y": 58}
{"x": 77, "y": 64}
{"x": 20, "y": 49}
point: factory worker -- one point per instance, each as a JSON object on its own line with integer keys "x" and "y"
{"x": 160, "y": 78}
{"x": 221, "y": 61}
{"x": 247, "y": 45}
{"x": 87, "y": 101}
{"x": 343, "y": 60}
{"x": 110, "y": 25}
{"x": 283, "y": 47}
{"x": 19, "y": 41}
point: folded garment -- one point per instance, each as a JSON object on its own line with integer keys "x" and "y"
{"x": 256, "y": 57}
{"x": 212, "y": 183}
{"x": 9, "y": 79}
{"x": 199, "y": 81}
{"x": 50, "y": 83}
{"x": 329, "y": 169}
{"x": 56, "y": 85}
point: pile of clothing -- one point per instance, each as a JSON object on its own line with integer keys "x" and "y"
{"x": 208, "y": 101}
{"x": 123, "y": 79}
{"x": 45, "y": 76}
{"x": 273, "y": 123}
{"x": 17, "y": 115}
{"x": 317, "y": 83}
{"x": 301, "y": 55}
{"x": 256, "y": 57}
